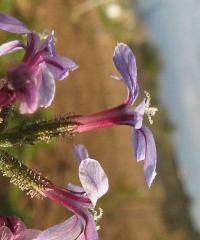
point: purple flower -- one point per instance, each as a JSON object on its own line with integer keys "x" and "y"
{"x": 32, "y": 80}
{"x": 126, "y": 114}
{"x": 81, "y": 200}
{"x": 12, "y": 228}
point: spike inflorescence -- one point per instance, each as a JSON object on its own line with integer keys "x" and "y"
{"x": 26, "y": 179}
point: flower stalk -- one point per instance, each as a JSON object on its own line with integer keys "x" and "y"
{"x": 39, "y": 131}
{"x": 79, "y": 200}
{"x": 21, "y": 176}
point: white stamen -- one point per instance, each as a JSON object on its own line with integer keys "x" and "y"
{"x": 97, "y": 216}
{"x": 150, "y": 111}
{"x": 43, "y": 35}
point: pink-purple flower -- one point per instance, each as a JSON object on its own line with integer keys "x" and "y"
{"x": 12, "y": 228}
{"x": 81, "y": 200}
{"x": 32, "y": 81}
{"x": 127, "y": 114}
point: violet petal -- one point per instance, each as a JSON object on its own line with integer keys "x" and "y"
{"x": 151, "y": 156}
{"x": 33, "y": 42}
{"x": 74, "y": 188}
{"x": 60, "y": 66}
{"x": 126, "y": 64}
{"x": 11, "y": 24}
{"x": 46, "y": 86}
{"x": 22, "y": 80}
{"x": 28, "y": 98}
{"x": 139, "y": 145}
{"x": 16, "y": 224}
{"x": 68, "y": 230}
{"x": 47, "y": 47}
{"x": 93, "y": 179}
{"x": 5, "y": 233}
{"x": 10, "y": 47}
{"x": 90, "y": 230}
{"x": 81, "y": 152}
{"x": 79, "y": 192}
{"x": 145, "y": 147}
{"x": 28, "y": 234}
{"x": 139, "y": 114}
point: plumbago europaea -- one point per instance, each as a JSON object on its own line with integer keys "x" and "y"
{"x": 31, "y": 82}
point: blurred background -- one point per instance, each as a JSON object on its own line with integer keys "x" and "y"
{"x": 164, "y": 35}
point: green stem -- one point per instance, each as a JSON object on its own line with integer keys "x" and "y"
{"x": 40, "y": 131}
{"x": 21, "y": 176}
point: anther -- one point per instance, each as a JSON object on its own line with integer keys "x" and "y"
{"x": 150, "y": 111}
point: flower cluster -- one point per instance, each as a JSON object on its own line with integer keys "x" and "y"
{"x": 126, "y": 114}
{"x": 32, "y": 82}
{"x": 79, "y": 200}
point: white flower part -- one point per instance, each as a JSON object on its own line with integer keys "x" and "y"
{"x": 93, "y": 179}
{"x": 45, "y": 33}
{"x": 92, "y": 176}
{"x": 150, "y": 111}
{"x": 97, "y": 216}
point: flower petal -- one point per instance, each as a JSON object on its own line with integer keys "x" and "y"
{"x": 145, "y": 148}
{"x": 22, "y": 80}
{"x": 6, "y": 234}
{"x": 16, "y": 224}
{"x": 81, "y": 152}
{"x": 76, "y": 190}
{"x": 13, "y": 223}
{"x": 90, "y": 229}
{"x": 125, "y": 62}
{"x": 60, "y": 66}
{"x": 139, "y": 145}
{"x": 33, "y": 42}
{"x": 47, "y": 47}
{"x": 28, "y": 234}
{"x": 10, "y": 47}
{"x": 11, "y": 24}
{"x": 28, "y": 98}
{"x": 68, "y": 230}
{"x": 80, "y": 193}
{"x": 46, "y": 87}
{"x": 139, "y": 115}
{"x": 93, "y": 179}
